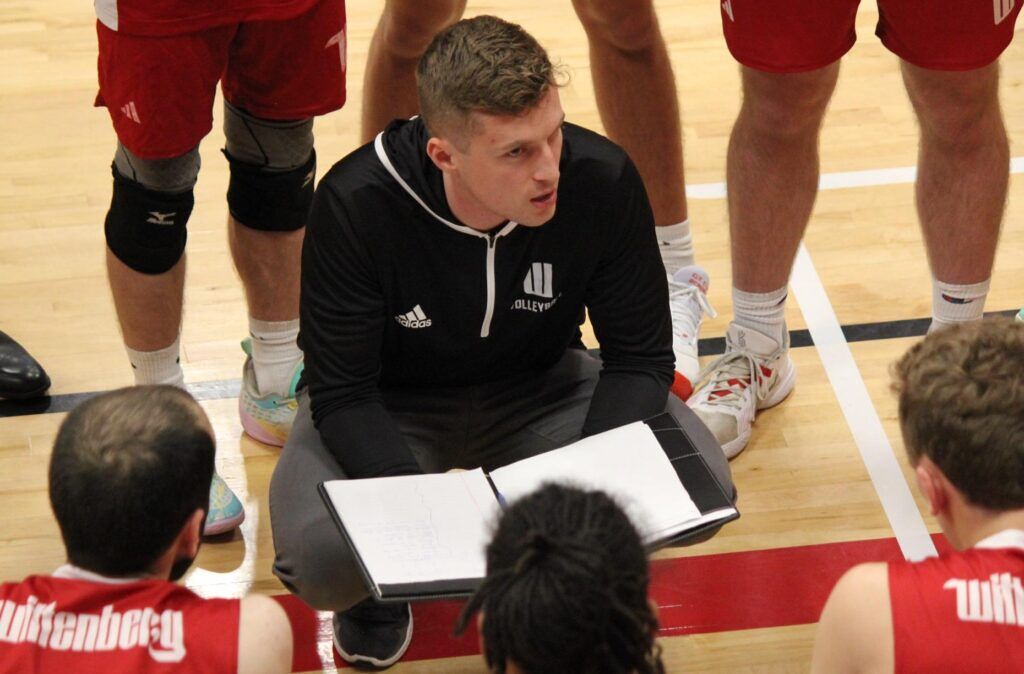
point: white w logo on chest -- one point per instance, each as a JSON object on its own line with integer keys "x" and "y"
{"x": 539, "y": 280}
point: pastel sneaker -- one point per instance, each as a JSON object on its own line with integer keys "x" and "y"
{"x": 225, "y": 512}
{"x": 266, "y": 418}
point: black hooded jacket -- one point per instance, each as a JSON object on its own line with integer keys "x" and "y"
{"x": 397, "y": 293}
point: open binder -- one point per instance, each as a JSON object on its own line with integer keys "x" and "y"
{"x": 423, "y": 536}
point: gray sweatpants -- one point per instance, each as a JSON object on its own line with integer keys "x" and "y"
{"x": 488, "y": 425}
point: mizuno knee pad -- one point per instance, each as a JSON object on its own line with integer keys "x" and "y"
{"x": 145, "y": 228}
{"x": 271, "y": 201}
{"x": 273, "y": 167}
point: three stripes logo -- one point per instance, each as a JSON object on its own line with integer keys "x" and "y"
{"x": 131, "y": 113}
{"x": 413, "y": 319}
{"x": 727, "y": 8}
{"x": 538, "y": 280}
{"x": 1002, "y": 9}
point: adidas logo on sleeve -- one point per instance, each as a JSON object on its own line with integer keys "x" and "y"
{"x": 413, "y": 319}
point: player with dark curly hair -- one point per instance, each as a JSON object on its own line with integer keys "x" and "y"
{"x": 566, "y": 589}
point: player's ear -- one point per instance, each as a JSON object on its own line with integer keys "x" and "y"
{"x": 931, "y": 484}
{"x": 192, "y": 533}
{"x": 440, "y": 151}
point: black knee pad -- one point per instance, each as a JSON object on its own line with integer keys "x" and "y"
{"x": 271, "y": 201}
{"x": 145, "y": 228}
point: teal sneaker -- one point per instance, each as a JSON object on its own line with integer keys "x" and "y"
{"x": 266, "y": 418}
{"x": 1020, "y": 315}
{"x": 225, "y": 511}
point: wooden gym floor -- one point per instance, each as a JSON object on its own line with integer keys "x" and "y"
{"x": 746, "y": 600}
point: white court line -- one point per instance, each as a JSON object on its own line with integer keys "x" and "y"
{"x": 845, "y": 180}
{"x": 861, "y": 417}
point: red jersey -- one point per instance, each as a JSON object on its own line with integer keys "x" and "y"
{"x": 76, "y": 621}
{"x": 159, "y": 18}
{"x": 962, "y": 612}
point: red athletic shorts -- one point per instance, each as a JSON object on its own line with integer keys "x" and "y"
{"x": 800, "y": 35}
{"x": 160, "y": 90}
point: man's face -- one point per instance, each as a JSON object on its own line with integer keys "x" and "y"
{"x": 508, "y": 170}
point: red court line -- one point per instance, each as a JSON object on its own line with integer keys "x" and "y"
{"x": 695, "y": 595}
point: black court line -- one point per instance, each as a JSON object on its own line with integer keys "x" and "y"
{"x": 713, "y": 346}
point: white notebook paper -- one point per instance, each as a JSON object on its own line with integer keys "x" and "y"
{"x": 627, "y": 463}
{"x": 418, "y": 528}
{"x": 422, "y": 536}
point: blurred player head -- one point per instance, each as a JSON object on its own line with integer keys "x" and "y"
{"x": 566, "y": 589}
{"x": 488, "y": 94}
{"x": 129, "y": 481}
{"x": 961, "y": 409}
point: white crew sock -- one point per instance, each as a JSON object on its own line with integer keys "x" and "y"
{"x": 162, "y": 366}
{"x": 952, "y": 304}
{"x": 676, "y": 245}
{"x": 274, "y": 354}
{"x": 764, "y": 312}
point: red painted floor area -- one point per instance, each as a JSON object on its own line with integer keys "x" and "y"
{"x": 711, "y": 593}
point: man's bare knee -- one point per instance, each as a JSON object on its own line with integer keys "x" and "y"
{"x": 408, "y": 26}
{"x": 627, "y": 25}
{"x": 787, "y": 104}
{"x": 958, "y": 108}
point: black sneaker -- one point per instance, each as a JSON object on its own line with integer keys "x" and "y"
{"x": 373, "y": 635}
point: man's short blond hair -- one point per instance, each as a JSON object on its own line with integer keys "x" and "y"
{"x": 483, "y": 64}
{"x": 961, "y": 404}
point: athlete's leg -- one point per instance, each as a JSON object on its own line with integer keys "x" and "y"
{"x": 279, "y": 76}
{"x": 272, "y": 173}
{"x": 145, "y": 232}
{"x": 268, "y": 262}
{"x": 155, "y": 169}
{"x": 636, "y": 96}
{"x": 772, "y": 178}
{"x": 772, "y": 171}
{"x": 148, "y": 307}
{"x": 268, "y": 129}
{"x": 949, "y": 60}
{"x": 963, "y": 175}
{"x": 405, "y": 29}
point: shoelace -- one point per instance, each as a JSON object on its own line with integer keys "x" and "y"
{"x": 681, "y": 294}
{"x": 731, "y": 373}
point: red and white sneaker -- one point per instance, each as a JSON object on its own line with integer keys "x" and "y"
{"x": 753, "y": 374}
{"x": 688, "y": 303}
